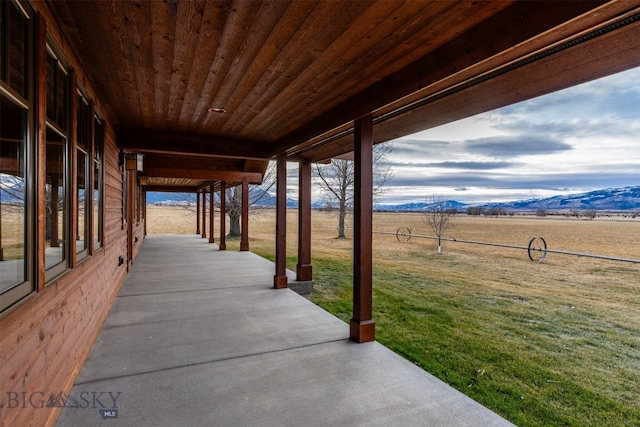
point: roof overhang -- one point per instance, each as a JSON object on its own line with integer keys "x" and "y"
{"x": 211, "y": 91}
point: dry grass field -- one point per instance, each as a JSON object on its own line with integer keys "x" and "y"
{"x": 542, "y": 343}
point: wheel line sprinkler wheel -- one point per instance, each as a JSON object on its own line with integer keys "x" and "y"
{"x": 403, "y": 234}
{"x": 537, "y": 249}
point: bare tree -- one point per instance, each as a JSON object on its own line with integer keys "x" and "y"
{"x": 12, "y": 202}
{"x": 438, "y": 216}
{"x": 336, "y": 182}
{"x": 12, "y": 193}
{"x": 256, "y": 194}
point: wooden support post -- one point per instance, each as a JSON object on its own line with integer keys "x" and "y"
{"x": 131, "y": 213}
{"x": 362, "y": 326}
{"x": 244, "y": 239}
{"x": 304, "y": 272}
{"x": 223, "y": 216}
{"x": 197, "y": 213}
{"x": 211, "y": 214}
{"x": 280, "y": 278}
{"x": 144, "y": 206}
{"x": 204, "y": 215}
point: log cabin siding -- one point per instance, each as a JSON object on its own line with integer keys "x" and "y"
{"x": 46, "y": 337}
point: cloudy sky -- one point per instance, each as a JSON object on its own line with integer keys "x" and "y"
{"x": 577, "y": 140}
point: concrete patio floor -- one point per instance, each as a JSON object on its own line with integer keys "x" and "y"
{"x": 198, "y": 337}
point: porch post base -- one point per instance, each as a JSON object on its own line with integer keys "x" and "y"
{"x": 222, "y": 246}
{"x": 304, "y": 272}
{"x": 212, "y": 240}
{"x": 362, "y": 330}
{"x": 280, "y": 282}
{"x": 244, "y": 246}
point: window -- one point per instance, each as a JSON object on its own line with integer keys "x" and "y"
{"x": 98, "y": 153}
{"x": 56, "y": 208}
{"x": 16, "y": 118}
{"x": 13, "y": 196}
{"x": 57, "y": 157}
{"x": 57, "y": 89}
{"x": 14, "y": 25}
{"x": 83, "y": 176}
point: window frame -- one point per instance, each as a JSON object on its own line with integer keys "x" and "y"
{"x": 27, "y": 102}
{"x": 62, "y": 127}
{"x": 97, "y": 161}
{"x": 84, "y": 118}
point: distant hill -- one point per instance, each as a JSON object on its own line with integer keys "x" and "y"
{"x": 611, "y": 199}
{"x": 421, "y": 206}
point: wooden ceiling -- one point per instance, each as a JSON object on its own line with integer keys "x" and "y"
{"x": 292, "y": 76}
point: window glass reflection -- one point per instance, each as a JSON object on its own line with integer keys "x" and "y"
{"x": 81, "y": 238}
{"x": 55, "y": 199}
{"x": 12, "y": 195}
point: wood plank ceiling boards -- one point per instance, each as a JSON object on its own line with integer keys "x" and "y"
{"x": 203, "y": 86}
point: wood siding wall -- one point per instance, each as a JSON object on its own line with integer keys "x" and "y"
{"x": 45, "y": 339}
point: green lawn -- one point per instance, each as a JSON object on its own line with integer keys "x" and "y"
{"x": 499, "y": 349}
{"x": 555, "y": 343}
{"x": 555, "y": 366}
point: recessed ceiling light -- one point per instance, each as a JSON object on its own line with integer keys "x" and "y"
{"x": 216, "y": 110}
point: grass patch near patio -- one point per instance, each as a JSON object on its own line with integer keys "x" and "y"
{"x": 534, "y": 361}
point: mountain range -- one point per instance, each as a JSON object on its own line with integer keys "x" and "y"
{"x": 611, "y": 199}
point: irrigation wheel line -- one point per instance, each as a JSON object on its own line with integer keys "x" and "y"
{"x": 403, "y": 234}
{"x": 537, "y": 249}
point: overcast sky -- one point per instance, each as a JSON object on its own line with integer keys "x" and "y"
{"x": 576, "y": 140}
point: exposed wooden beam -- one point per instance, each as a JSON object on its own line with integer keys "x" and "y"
{"x": 178, "y": 144}
{"x": 592, "y": 59}
{"x": 171, "y": 189}
{"x": 596, "y": 57}
{"x": 205, "y": 185}
{"x": 468, "y": 54}
{"x": 213, "y": 175}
